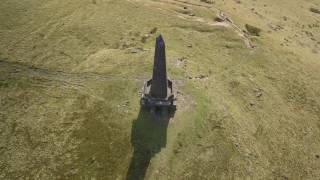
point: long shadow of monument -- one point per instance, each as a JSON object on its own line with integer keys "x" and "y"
{"x": 148, "y": 136}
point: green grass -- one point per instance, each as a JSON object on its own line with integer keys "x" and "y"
{"x": 71, "y": 73}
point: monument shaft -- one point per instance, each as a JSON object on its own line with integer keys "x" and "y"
{"x": 158, "y": 91}
{"x": 159, "y": 87}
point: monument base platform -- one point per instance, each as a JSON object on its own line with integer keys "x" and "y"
{"x": 147, "y": 101}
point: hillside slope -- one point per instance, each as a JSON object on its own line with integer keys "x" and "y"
{"x": 71, "y": 74}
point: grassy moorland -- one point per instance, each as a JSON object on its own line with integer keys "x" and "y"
{"x": 246, "y": 75}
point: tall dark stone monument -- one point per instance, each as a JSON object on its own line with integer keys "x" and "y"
{"x": 158, "y": 92}
{"x": 159, "y": 86}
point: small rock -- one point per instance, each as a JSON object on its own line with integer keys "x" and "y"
{"x": 74, "y": 171}
{"x": 134, "y": 51}
{"x": 181, "y": 59}
{"x": 259, "y": 94}
{"x": 189, "y": 46}
{"x": 153, "y": 30}
{"x": 201, "y": 76}
{"x": 219, "y": 19}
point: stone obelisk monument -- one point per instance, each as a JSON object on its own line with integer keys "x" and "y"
{"x": 158, "y": 90}
{"x": 159, "y": 86}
